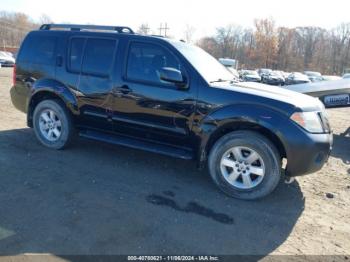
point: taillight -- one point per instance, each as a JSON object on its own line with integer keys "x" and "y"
{"x": 14, "y": 75}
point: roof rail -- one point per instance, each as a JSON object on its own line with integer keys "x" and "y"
{"x": 74, "y": 27}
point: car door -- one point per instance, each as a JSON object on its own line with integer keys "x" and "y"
{"x": 147, "y": 107}
{"x": 95, "y": 82}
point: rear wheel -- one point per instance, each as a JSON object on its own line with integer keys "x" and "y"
{"x": 53, "y": 125}
{"x": 245, "y": 165}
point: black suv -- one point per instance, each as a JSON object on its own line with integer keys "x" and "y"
{"x": 168, "y": 97}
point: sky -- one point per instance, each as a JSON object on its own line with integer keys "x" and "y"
{"x": 205, "y": 16}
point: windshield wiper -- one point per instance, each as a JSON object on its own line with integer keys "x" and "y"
{"x": 222, "y": 80}
{"x": 219, "y": 81}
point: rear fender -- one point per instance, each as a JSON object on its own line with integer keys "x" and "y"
{"x": 52, "y": 89}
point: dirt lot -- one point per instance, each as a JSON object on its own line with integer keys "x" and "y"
{"x": 95, "y": 198}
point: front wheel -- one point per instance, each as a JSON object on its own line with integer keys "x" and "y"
{"x": 53, "y": 125}
{"x": 245, "y": 165}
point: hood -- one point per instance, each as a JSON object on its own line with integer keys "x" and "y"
{"x": 304, "y": 102}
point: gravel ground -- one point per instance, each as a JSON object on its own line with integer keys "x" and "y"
{"x": 95, "y": 198}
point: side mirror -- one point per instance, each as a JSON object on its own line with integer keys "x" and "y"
{"x": 172, "y": 75}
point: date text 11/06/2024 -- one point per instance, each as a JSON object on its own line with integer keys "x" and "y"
{"x": 173, "y": 258}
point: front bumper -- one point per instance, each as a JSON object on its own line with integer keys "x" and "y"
{"x": 308, "y": 153}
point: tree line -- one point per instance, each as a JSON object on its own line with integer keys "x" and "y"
{"x": 282, "y": 48}
{"x": 14, "y": 26}
{"x": 263, "y": 46}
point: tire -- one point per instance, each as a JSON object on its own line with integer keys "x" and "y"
{"x": 43, "y": 122}
{"x": 236, "y": 177}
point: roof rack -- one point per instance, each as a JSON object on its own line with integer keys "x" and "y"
{"x": 73, "y": 27}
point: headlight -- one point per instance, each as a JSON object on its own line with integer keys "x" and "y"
{"x": 308, "y": 120}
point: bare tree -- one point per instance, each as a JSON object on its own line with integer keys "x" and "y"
{"x": 266, "y": 42}
{"x": 265, "y": 45}
{"x": 45, "y": 19}
{"x": 189, "y": 33}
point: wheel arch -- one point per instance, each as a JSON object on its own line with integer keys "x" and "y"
{"x": 241, "y": 117}
{"x": 249, "y": 126}
{"x": 50, "y": 89}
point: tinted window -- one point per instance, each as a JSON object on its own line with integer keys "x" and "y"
{"x": 146, "y": 60}
{"x": 76, "y": 54}
{"x": 38, "y": 50}
{"x": 98, "y": 56}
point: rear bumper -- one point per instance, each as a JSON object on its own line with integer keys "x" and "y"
{"x": 308, "y": 153}
{"x": 275, "y": 82}
{"x": 19, "y": 100}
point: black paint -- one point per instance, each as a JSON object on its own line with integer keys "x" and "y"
{"x": 169, "y": 193}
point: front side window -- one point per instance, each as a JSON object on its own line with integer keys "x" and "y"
{"x": 146, "y": 60}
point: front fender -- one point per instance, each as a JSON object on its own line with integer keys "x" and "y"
{"x": 255, "y": 115}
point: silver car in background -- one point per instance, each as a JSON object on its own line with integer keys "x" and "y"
{"x": 7, "y": 59}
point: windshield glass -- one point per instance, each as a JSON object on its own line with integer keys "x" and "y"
{"x": 309, "y": 73}
{"x": 206, "y": 65}
{"x": 274, "y": 74}
{"x": 250, "y": 72}
{"x": 300, "y": 76}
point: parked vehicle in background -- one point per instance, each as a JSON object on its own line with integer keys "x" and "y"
{"x": 167, "y": 97}
{"x": 346, "y": 75}
{"x": 332, "y": 93}
{"x": 249, "y": 76}
{"x": 273, "y": 78}
{"x": 285, "y": 74}
{"x": 314, "y": 76}
{"x": 297, "y": 78}
{"x": 264, "y": 71}
{"x": 229, "y": 62}
{"x": 6, "y": 59}
{"x": 330, "y": 78}
{"x": 231, "y": 65}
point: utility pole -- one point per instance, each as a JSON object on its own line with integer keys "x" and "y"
{"x": 165, "y": 28}
{"x": 144, "y": 29}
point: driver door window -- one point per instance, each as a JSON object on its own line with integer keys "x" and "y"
{"x": 146, "y": 60}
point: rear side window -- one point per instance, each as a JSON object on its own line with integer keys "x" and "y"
{"x": 76, "y": 54}
{"x": 38, "y": 49}
{"x": 98, "y": 56}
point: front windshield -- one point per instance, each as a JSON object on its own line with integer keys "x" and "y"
{"x": 309, "y": 73}
{"x": 206, "y": 65}
{"x": 275, "y": 74}
{"x": 265, "y": 71}
{"x": 299, "y": 75}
